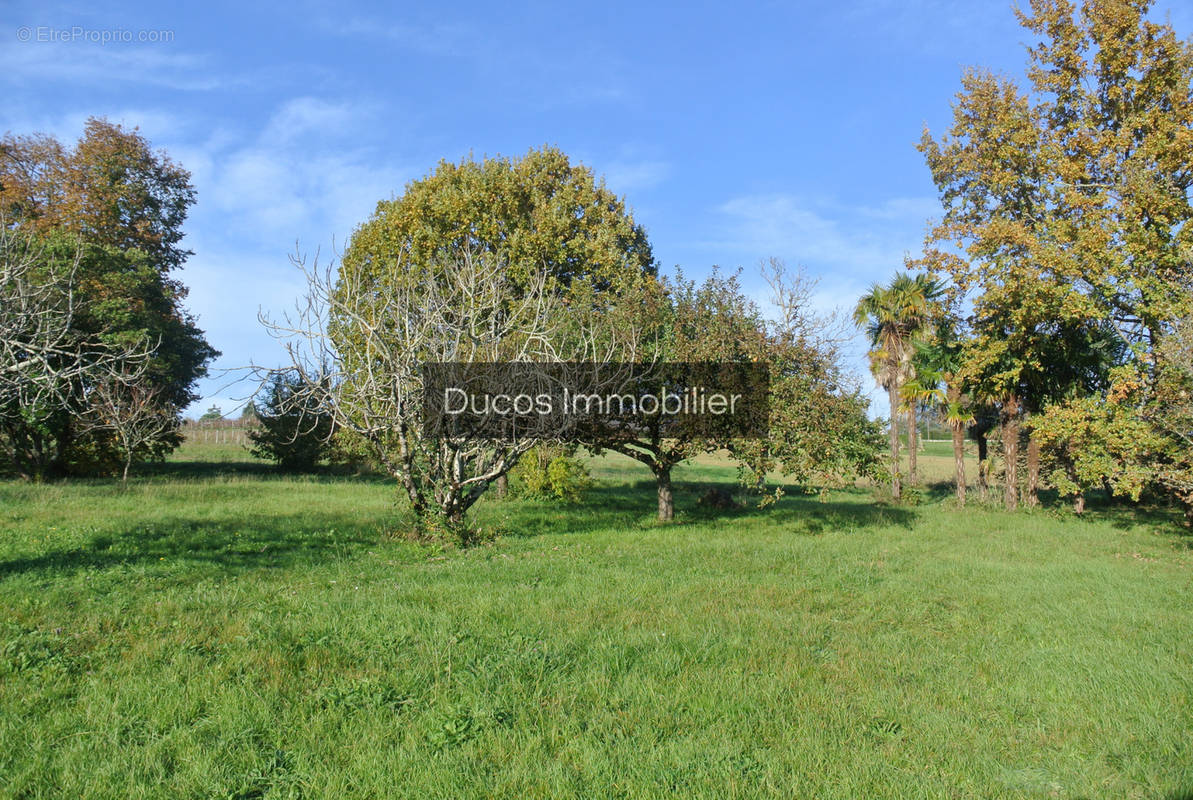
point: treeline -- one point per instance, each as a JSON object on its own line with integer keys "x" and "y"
{"x": 1050, "y": 310}
{"x": 1055, "y": 298}
{"x": 533, "y": 260}
{"x": 97, "y": 354}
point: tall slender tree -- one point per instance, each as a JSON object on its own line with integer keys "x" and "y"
{"x": 893, "y": 316}
{"x": 937, "y": 384}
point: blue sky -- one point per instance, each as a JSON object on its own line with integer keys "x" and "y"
{"x": 736, "y": 131}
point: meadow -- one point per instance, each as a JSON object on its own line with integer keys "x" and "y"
{"x": 218, "y": 630}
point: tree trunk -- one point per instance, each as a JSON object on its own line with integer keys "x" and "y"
{"x": 503, "y": 484}
{"x": 1079, "y": 504}
{"x": 1033, "y": 472}
{"x": 128, "y": 462}
{"x": 913, "y": 443}
{"x": 666, "y": 497}
{"x": 418, "y": 503}
{"x": 1010, "y": 450}
{"x": 959, "y": 462}
{"x": 896, "y": 484}
{"x": 983, "y": 466}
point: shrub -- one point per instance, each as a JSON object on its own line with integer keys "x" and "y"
{"x": 295, "y": 432}
{"x": 353, "y": 452}
{"x": 552, "y": 472}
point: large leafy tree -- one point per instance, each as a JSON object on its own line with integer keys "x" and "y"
{"x": 1090, "y": 442}
{"x": 483, "y": 260}
{"x": 121, "y": 205}
{"x": 45, "y": 356}
{"x": 362, "y": 357}
{"x": 1066, "y": 207}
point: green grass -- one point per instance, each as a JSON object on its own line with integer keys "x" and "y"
{"x": 215, "y": 630}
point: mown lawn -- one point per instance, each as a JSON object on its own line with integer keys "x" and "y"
{"x": 217, "y": 631}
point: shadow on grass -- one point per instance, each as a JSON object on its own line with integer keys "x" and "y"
{"x": 631, "y": 506}
{"x": 815, "y": 516}
{"x": 199, "y": 470}
{"x": 238, "y": 545}
{"x": 603, "y": 506}
{"x": 1121, "y": 513}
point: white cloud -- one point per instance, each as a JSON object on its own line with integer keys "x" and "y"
{"x": 627, "y": 176}
{"x": 292, "y": 182}
{"x": 274, "y": 195}
{"x": 440, "y": 39}
{"x": 304, "y": 116}
{"x": 295, "y": 179}
{"x": 88, "y": 64}
{"x": 861, "y": 240}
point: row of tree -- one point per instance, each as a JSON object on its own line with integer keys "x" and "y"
{"x": 1057, "y": 286}
{"x": 97, "y": 354}
{"x": 529, "y": 259}
{"x": 1051, "y": 307}
{"x": 534, "y": 260}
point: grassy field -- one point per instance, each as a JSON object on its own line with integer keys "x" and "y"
{"x": 215, "y": 630}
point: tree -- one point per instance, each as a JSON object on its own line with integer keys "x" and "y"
{"x": 212, "y": 414}
{"x": 111, "y": 190}
{"x": 553, "y": 472}
{"x": 45, "y": 358}
{"x": 937, "y": 364}
{"x": 362, "y": 354}
{"x": 814, "y": 425}
{"x": 538, "y": 213}
{"x": 1066, "y": 208}
{"x": 712, "y": 322}
{"x": 1089, "y": 443}
{"x": 514, "y": 238}
{"x": 132, "y": 412}
{"x": 121, "y": 206}
{"x": 1167, "y": 404}
{"x": 818, "y": 427}
{"x": 893, "y": 316}
{"x": 295, "y": 427}
{"x": 915, "y": 395}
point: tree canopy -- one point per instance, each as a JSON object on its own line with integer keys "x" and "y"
{"x": 537, "y": 213}
{"x": 119, "y": 207}
{"x": 1066, "y": 209}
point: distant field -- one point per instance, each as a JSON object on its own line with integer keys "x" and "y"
{"x": 216, "y": 630}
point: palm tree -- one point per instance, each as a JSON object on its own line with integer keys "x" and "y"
{"x": 875, "y": 311}
{"x": 893, "y": 316}
{"x": 937, "y": 383}
{"x": 919, "y": 389}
